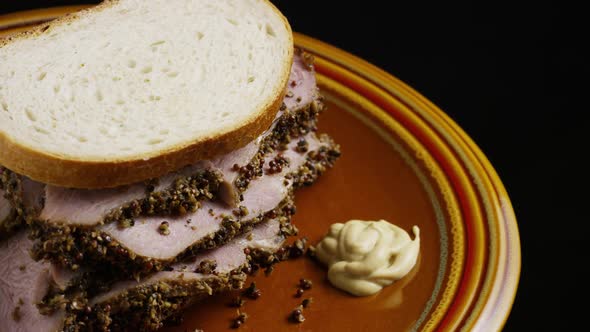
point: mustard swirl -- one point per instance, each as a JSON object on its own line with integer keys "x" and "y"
{"x": 365, "y": 256}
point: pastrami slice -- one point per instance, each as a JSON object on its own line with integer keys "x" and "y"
{"x": 23, "y": 283}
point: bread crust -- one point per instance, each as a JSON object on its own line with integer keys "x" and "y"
{"x": 90, "y": 174}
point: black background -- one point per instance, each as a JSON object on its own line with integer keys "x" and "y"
{"x": 516, "y": 80}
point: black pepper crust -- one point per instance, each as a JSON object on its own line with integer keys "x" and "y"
{"x": 11, "y": 184}
{"x": 72, "y": 247}
{"x": 184, "y": 196}
{"x": 308, "y": 58}
{"x": 100, "y": 278}
{"x": 317, "y": 162}
{"x": 148, "y": 307}
{"x": 290, "y": 125}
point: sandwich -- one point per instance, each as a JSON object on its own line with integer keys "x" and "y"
{"x": 149, "y": 156}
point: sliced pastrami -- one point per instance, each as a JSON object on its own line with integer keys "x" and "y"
{"x": 302, "y": 88}
{"x": 229, "y": 165}
{"x": 264, "y": 194}
{"x": 227, "y": 257}
{"x": 23, "y": 283}
{"x": 155, "y": 242}
{"x": 175, "y": 193}
{"x": 146, "y": 304}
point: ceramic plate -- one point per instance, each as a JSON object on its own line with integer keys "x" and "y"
{"x": 405, "y": 161}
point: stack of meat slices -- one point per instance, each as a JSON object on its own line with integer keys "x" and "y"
{"x": 130, "y": 258}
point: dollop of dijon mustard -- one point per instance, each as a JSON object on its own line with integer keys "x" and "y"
{"x": 365, "y": 256}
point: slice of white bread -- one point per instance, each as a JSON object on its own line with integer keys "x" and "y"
{"x": 133, "y": 89}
